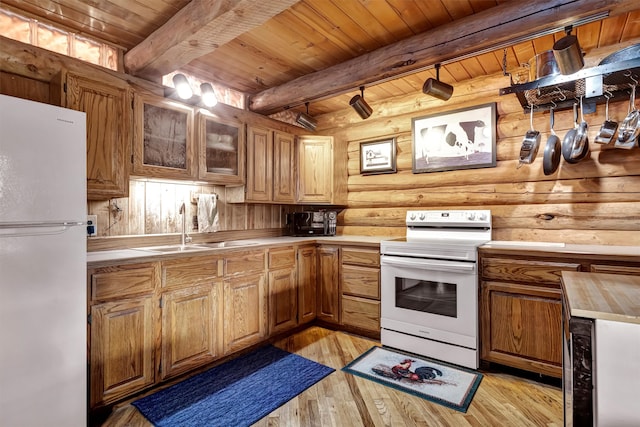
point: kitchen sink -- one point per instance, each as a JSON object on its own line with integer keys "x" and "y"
{"x": 230, "y": 244}
{"x": 173, "y": 248}
{"x": 198, "y": 246}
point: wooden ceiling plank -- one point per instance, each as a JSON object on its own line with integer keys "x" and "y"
{"x": 465, "y": 36}
{"x": 588, "y": 35}
{"x": 411, "y": 14}
{"x": 197, "y": 29}
{"x": 332, "y": 32}
{"x": 369, "y": 24}
{"x": 632, "y": 26}
{"x": 435, "y": 12}
{"x": 610, "y": 32}
{"x": 458, "y": 8}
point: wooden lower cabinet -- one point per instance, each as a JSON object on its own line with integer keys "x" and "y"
{"x": 360, "y": 284}
{"x": 122, "y": 331}
{"x": 307, "y": 283}
{"x": 328, "y": 297}
{"x": 522, "y": 327}
{"x": 122, "y": 348}
{"x": 521, "y": 312}
{"x": 283, "y": 292}
{"x": 245, "y": 311}
{"x": 191, "y": 328}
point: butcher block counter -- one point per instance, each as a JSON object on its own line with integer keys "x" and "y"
{"x": 613, "y": 297}
{"x": 601, "y": 345}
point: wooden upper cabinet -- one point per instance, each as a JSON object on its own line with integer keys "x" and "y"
{"x": 221, "y": 143}
{"x": 322, "y": 173}
{"x": 283, "y": 167}
{"x": 109, "y": 130}
{"x": 259, "y": 164}
{"x": 163, "y": 145}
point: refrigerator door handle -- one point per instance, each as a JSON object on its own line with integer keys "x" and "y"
{"x": 22, "y": 229}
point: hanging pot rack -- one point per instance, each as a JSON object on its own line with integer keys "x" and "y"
{"x": 561, "y": 91}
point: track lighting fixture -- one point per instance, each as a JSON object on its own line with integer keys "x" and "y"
{"x": 305, "y": 120}
{"x": 207, "y": 95}
{"x": 360, "y": 105}
{"x": 436, "y": 88}
{"x": 181, "y": 84}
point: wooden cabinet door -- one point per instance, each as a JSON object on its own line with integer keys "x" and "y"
{"x": 315, "y": 169}
{"x": 329, "y": 284}
{"x": 259, "y": 164}
{"x": 122, "y": 349}
{"x": 283, "y": 168}
{"x": 283, "y": 307}
{"x": 245, "y": 311}
{"x": 221, "y": 142}
{"x": 109, "y": 133}
{"x": 163, "y": 141}
{"x": 307, "y": 288}
{"x": 191, "y": 328}
{"x": 521, "y": 326}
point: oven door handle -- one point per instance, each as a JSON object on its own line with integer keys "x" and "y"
{"x": 428, "y": 264}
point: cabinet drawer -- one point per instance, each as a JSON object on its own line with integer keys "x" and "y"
{"x": 121, "y": 281}
{"x": 361, "y": 313}
{"x": 279, "y": 258}
{"x": 615, "y": 269}
{"x": 244, "y": 262}
{"x": 533, "y": 272}
{"x": 361, "y": 281}
{"x": 190, "y": 271}
{"x": 361, "y": 256}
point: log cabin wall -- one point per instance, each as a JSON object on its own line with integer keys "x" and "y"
{"x": 596, "y": 201}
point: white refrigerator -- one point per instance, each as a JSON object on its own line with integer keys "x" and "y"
{"x": 43, "y": 332}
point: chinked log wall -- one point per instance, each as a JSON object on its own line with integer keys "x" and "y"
{"x": 596, "y": 201}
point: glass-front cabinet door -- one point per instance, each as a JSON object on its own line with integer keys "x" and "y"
{"x": 164, "y": 145}
{"x": 222, "y": 148}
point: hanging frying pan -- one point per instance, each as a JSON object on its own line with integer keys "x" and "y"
{"x": 630, "y": 127}
{"x": 581, "y": 141}
{"x": 608, "y": 128}
{"x": 552, "y": 149}
{"x": 567, "y": 141}
{"x": 530, "y": 144}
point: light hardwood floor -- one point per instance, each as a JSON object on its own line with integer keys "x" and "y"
{"x": 342, "y": 399}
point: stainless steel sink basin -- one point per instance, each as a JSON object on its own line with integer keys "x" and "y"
{"x": 198, "y": 246}
{"x": 173, "y": 248}
{"x": 230, "y": 244}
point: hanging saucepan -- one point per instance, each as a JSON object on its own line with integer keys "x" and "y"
{"x": 552, "y": 150}
{"x": 568, "y": 54}
{"x": 630, "y": 127}
{"x": 530, "y": 143}
{"x": 542, "y": 65}
{"x": 581, "y": 140}
{"x": 567, "y": 141}
{"x": 608, "y": 128}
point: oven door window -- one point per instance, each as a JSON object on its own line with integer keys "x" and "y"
{"x": 427, "y": 296}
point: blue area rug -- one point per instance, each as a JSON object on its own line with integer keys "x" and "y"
{"x": 236, "y": 393}
{"x": 439, "y": 382}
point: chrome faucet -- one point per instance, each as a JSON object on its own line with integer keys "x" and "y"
{"x": 184, "y": 238}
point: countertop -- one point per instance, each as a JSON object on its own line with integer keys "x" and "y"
{"x": 633, "y": 251}
{"x": 603, "y": 296}
{"x": 140, "y": 255}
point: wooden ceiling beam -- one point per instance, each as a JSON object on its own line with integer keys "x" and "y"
{"x": 196, "y": 30}
{"x": 473, "y": 34}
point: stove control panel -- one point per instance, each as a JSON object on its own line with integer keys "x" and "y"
{"x": 452, "y": 218}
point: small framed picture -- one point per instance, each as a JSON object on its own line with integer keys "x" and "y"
{"x": 460, "y": 139}
{"x": 378, "y": 156}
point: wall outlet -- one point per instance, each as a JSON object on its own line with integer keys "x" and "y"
{"x": 92, "y": 225}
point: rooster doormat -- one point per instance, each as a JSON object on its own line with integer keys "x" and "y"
{"x": 439, "y": 382}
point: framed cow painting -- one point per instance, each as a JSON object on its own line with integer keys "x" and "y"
{"x": 459, "y": 139}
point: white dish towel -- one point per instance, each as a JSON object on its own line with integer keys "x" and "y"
{"x": 207, "y": 213}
